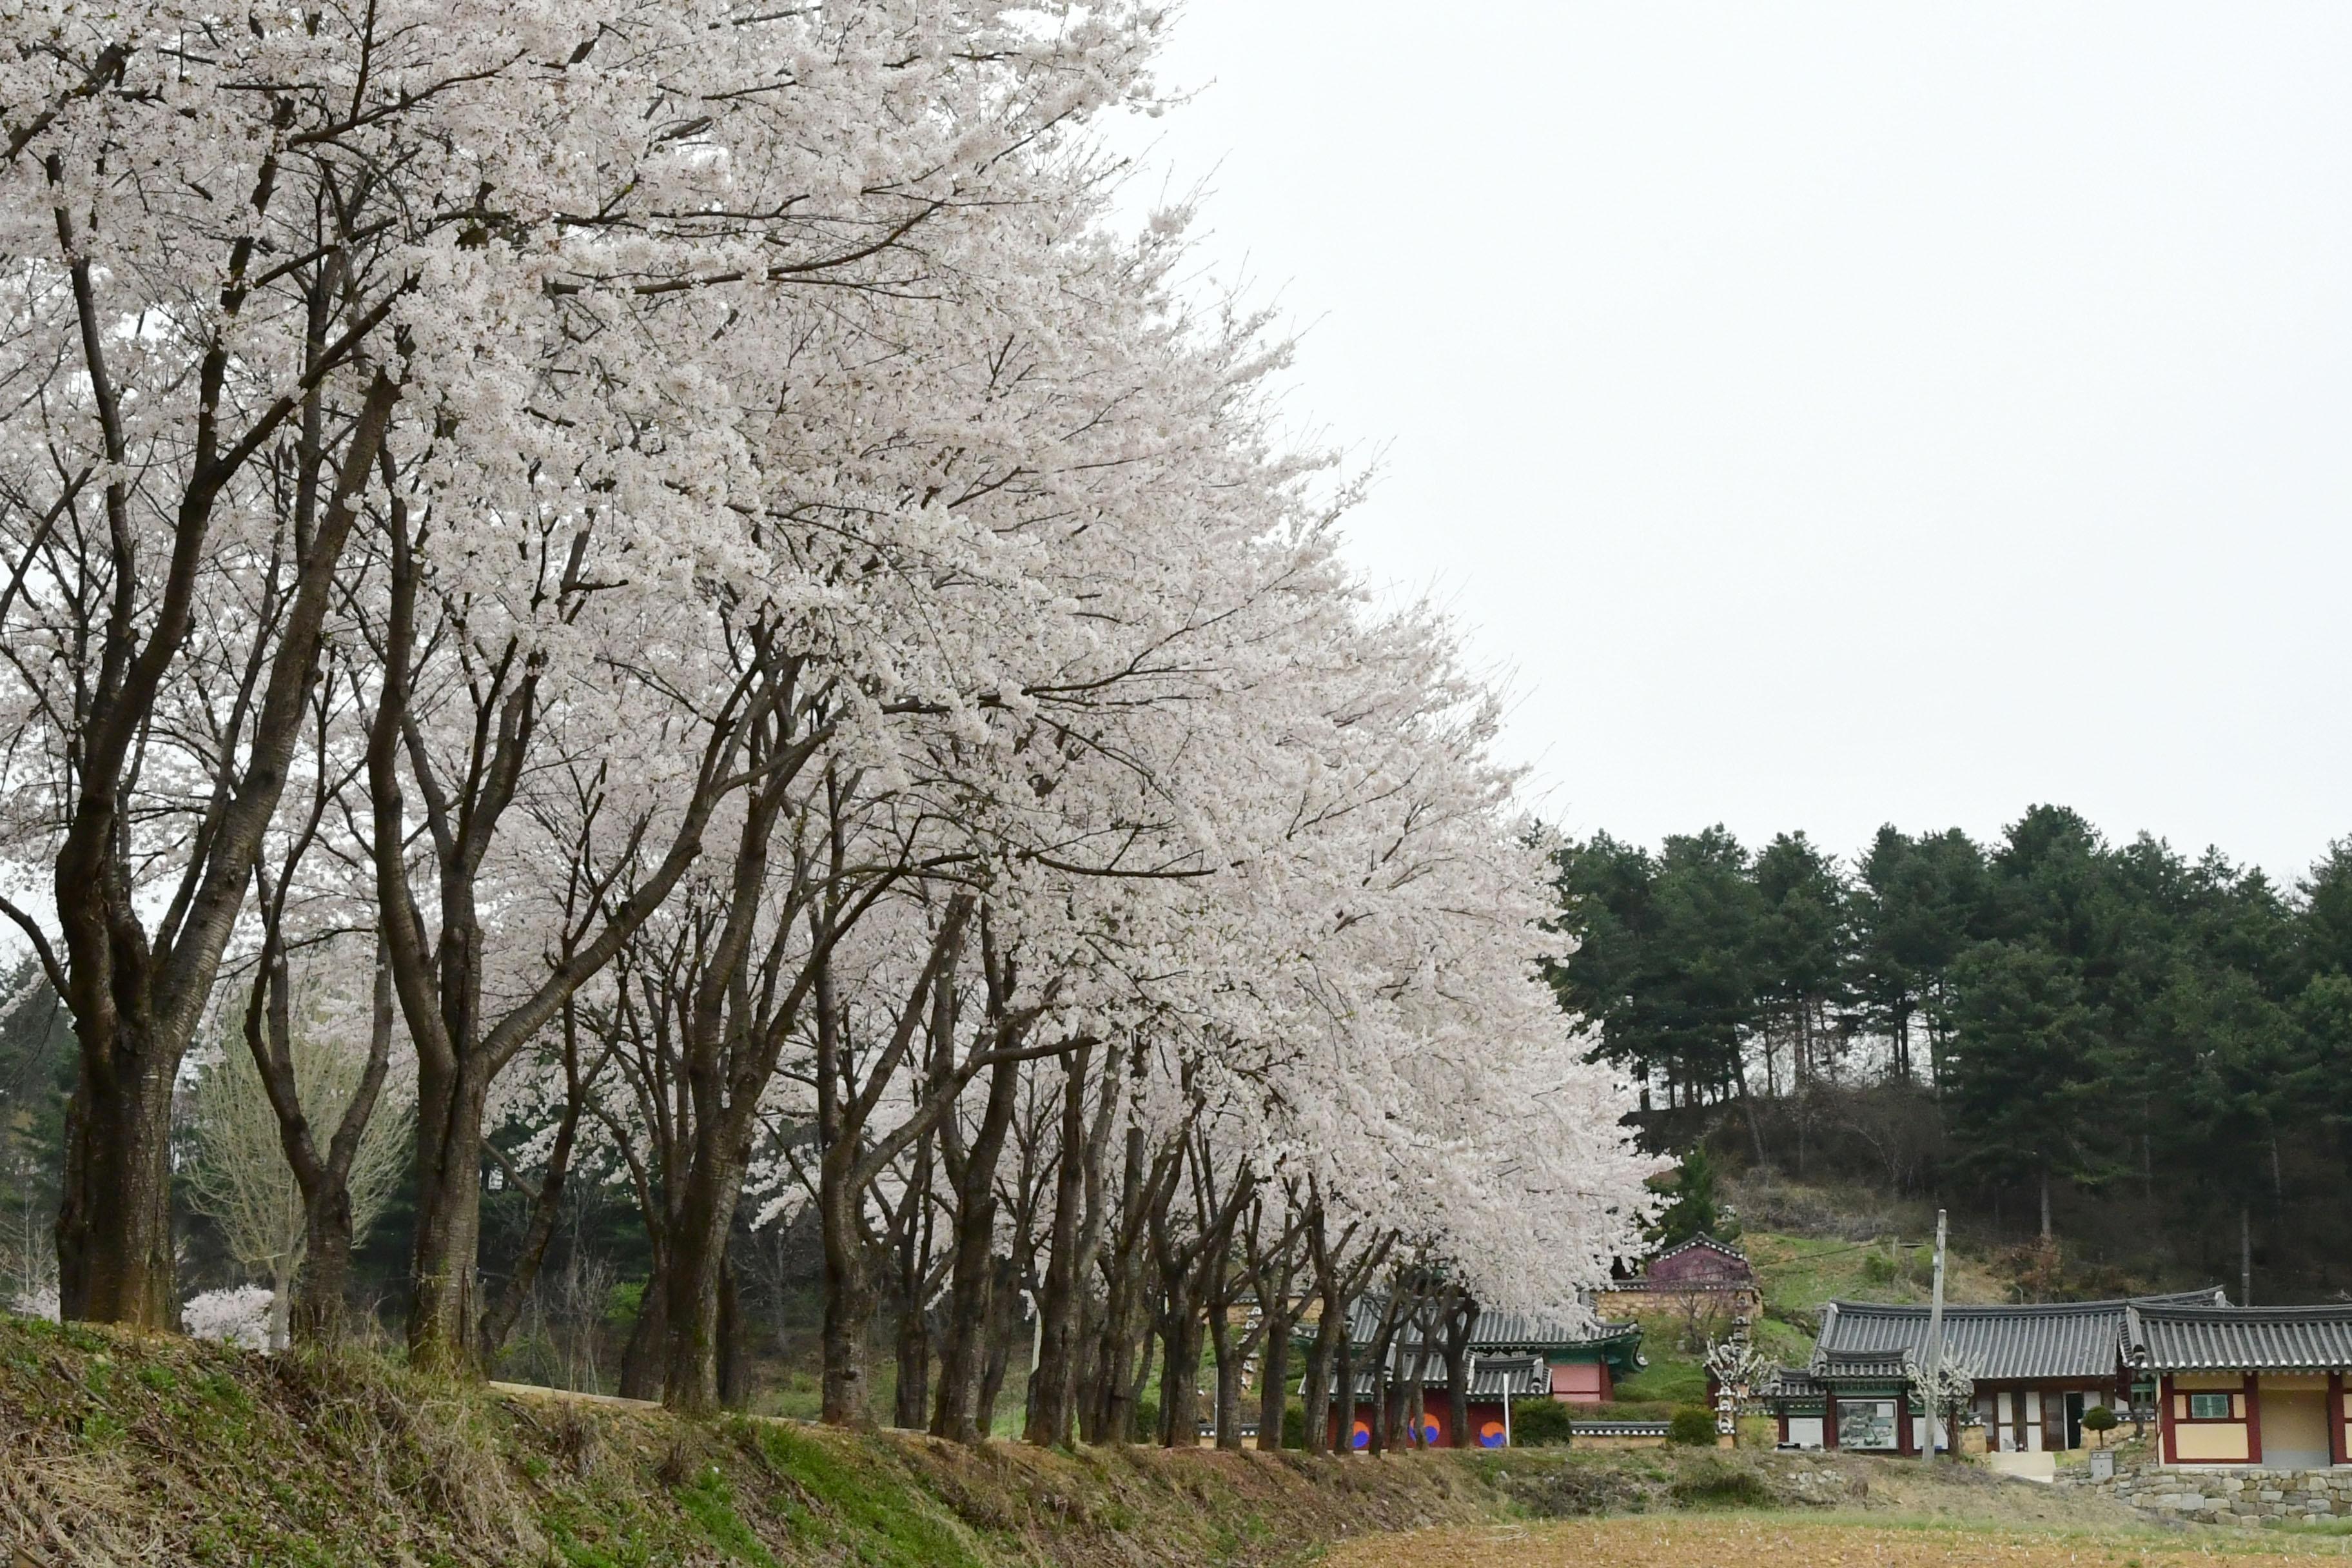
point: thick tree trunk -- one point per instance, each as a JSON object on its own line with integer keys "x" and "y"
{"x": 443, "y": 1334}
{"x": 1180, "y": 1374}
{"x": 1274, "y": 1381}
{"x": 1124, "y": 1288}
{"x": 1343, "y": 1362}
{"x": 1459, "y": 1322}
{"x": 1229, "y": 1376}
{"x": 322, "y": 1282}
{"x": 734, "y": 1360}
{"x": 1384, "y": 1411}
{"x": 913, "y": 1405}
{"x": 1138, "y": 1378}
{"x": 114, "y": 1215}
{"x": 1003, "y": 1329}
{"x": 136, "y": 1000}
{"x": 972, "y": 1274}
{"x": 850, "y": 1297}
{"x": 1053, "y": 1382}
{"x": 697, "y": 1269}
{"x": 1325, "y": 1358}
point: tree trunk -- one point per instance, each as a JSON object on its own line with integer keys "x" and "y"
{"x": 114, "y": 1218}
{"x": 1459, "y": 1324}
{"x": 1344, "y": 1370}
{"x": 1274, "y": 1381}
{"x": 1122, "y": 1324}
{"x": 1378, "y": 1358}
{"x": 137, "y": 1000}
{"x": 1229, "y": 1376}
{"x": 322, "y": 1282}
{"x": 1179, "y": 1372}
{"x": 442, "y": 1330}
{"x": 849, "y": 1295}
{"x": 1053, "y": 1380}
{"x": 734, "y": 1364}
{"x": 913, "y": 1403}
{"x": 1325, "y": 1358}
{"x": 697, "y": 1269}
{"x": 972, "y": 1274}
{"x": 2045, "y": 1205}
{"x": 1004, "y": 1320}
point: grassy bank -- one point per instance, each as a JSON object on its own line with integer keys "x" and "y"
{"x": 115, "y": 1448}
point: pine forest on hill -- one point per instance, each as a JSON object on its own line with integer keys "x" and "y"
{"x": 2120, "y": 1067}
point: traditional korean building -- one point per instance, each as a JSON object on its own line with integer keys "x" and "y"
{"x": 2260, "y": 1387}
{"x": 1701, "y": 1276}
{"x": 1512, "y": 1357}
{"x": 2037, "y": 1369}
{"x": 1494, "y": 1383}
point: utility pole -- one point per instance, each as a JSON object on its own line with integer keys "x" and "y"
{"x": 1933, "y": 1373}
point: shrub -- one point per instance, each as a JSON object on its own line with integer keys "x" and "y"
{"x": 2099, "y": 1418}
{"x": 1539, "y": 1424}
{"x": 1711, "y": 1483}
{"x": 1294, "y": 1425}
{"x": 1693, "y": 1426}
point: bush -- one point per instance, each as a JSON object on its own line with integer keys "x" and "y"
{"x": 2099, "y": 1418}
{"x": 1539, "y": 1424}
{"x": 1294, "y": 1425}
{"x": 1711, "y": 1483}
{"x": 1693, "y": 1426}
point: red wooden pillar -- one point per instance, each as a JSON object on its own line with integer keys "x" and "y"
{"x": 2253, "y": 1419}
{"x": 2166, "y": 1445}
{"x": 1902, "y": 1442}
{"x": 2337, "y": 1440}
{"x": 1829, "y": 1421}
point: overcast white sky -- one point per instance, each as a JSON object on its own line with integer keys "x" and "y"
{"x": 1828, "y": 414}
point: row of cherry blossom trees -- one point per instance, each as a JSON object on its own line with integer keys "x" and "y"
{"x": 676, "y": 560}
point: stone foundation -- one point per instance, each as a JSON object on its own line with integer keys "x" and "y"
{"x": 2240, "y": 1497}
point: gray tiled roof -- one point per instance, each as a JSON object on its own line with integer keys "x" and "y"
{"x": 1864, "y": 1368}
{"x": 1491, "y": 1377}
{"x": 2165, "y": 1338}
{"x": 1497, "y": 1330}
{"x": 2064, "y": 1339}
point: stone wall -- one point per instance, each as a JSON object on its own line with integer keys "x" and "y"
{"x": 2225, "y": 1496}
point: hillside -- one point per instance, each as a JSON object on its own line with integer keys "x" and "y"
{"x": 120, "y": 1450}
{"x": 1812, "y": 1243}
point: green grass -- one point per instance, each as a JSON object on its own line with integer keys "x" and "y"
{"x": 709, "y": 1502}
{"x": 1669, "y": 1380}
{"x": 1799, "y": 1273}
{"x": 838, "y": 1499}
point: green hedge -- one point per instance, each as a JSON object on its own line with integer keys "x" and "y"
{"x": 1539, "y": 1424}
{"x": 1693, "y": 1426}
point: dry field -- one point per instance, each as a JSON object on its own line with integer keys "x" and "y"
{"x": 1733, "y": 1540}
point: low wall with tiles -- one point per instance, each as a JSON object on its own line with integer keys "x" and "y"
{"x": 2225, "y": 1496}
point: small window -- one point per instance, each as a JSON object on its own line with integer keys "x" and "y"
{"x": 2209, "y": 1408}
